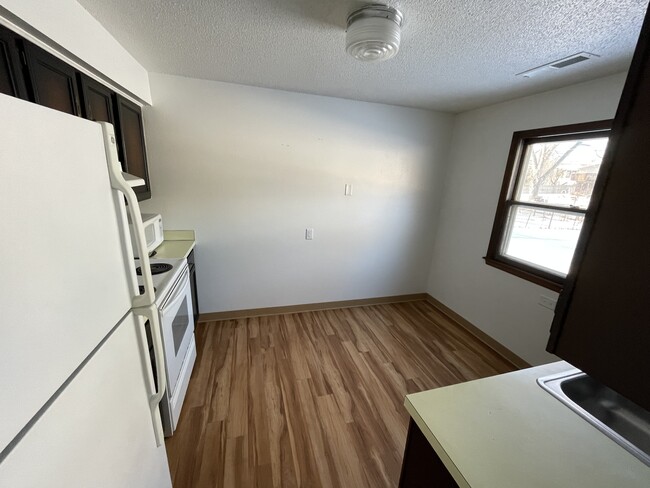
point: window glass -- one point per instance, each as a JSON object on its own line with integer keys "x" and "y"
{"x": 560, "y": 173}
{"x": 543, "y": 238}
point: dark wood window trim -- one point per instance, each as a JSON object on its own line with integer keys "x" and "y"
{"x": 520, "y": 140}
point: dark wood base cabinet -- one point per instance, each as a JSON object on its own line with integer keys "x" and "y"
{"x": 421, "y": 467}
{"x": 195, "y": 296}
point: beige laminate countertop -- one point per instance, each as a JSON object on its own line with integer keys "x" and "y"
{"x": 506, "y": 431}
{"x": 177, "y": 244}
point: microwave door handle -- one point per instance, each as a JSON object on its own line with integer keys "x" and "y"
{"x": 179, "y": 292}
{"x": 151, "y": 313}
{"x": 120, "y": 184}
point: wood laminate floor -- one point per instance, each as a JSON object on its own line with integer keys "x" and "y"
{"x": 315, "y": 399}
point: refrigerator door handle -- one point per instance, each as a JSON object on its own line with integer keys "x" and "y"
{"x": 120, "y": 184}
{"x": 151, "y": 313}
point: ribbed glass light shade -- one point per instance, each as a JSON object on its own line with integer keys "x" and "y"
{"x": 372, "y": 39}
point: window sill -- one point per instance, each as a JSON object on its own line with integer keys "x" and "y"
{"x": 524, "y": 274}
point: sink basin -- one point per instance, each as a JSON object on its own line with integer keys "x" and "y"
{"x": 617, "y": 417}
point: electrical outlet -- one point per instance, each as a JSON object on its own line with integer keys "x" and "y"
{"x": 309, "y": 234}
{"x": 548, "y": 302}
{"x": 348, "y": 190}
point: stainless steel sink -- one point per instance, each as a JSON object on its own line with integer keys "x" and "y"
{"x": 618, "y": 418}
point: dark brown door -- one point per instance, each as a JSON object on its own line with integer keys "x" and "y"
{"x": 132, "y": 146}
{"x": 11, "y": 75}
{"x": 602, "y": 322}
{"x": 53, "y": 83}
{"x": 96, "y": 100}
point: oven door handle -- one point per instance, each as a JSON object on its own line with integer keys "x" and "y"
{"x": 151, "y": 313}
{"x": 178, "y": 293}
{"x": 120, "y": 184}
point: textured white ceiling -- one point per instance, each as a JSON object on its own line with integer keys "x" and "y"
{"x": 455, "y": 54}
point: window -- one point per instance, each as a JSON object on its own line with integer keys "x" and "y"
{"x": 545, "y": 194}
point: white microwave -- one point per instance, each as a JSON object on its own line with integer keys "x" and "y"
{"x": 153, "y": 232}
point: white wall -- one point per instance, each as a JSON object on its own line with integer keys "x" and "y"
{"x": 249, "y": 169}
{"x": 66, "y": 24}
{"x": 502, "y": 305}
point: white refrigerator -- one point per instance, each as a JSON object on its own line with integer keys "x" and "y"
{"x": 78, "y": 401}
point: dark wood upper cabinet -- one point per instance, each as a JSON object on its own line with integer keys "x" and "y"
{"x": 132, "y": 149}
{"x": 602, "y": 320}
{"x": 96, "y": 100}
{"x": 52, "y": 82}
{"x": 31, "y": 73}
{"x": 12, "y": 81}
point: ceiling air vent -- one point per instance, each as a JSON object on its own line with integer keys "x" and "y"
{"x": 558, "y": 64}
{"x": 569, "y": 61}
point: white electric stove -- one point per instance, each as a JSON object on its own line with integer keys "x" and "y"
{"x": 171, "y": 280}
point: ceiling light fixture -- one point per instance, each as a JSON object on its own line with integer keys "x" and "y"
{"x": 373, "y": 32}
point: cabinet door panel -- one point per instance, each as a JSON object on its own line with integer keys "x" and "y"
{"x": 53, "y": 82}
{"x": 99, "y": 107}
{"x": 133, "y": 152}
{"x": 96, "y": 100}
{"x": 6, "y": 78}
{"x": 11, "y": 77}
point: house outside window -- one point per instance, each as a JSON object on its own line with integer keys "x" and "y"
{"x": 546, "y": 192}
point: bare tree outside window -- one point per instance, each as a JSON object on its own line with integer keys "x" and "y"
{"x": 543, "y": 163}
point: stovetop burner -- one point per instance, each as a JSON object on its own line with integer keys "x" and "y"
{"x": 166, "y": 273}
{"x": 156, "y": 268}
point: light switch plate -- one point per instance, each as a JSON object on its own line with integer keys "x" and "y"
{"x": 309, "y": 234}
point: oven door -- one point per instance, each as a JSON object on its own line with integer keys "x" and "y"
{"x": 177, "y": 322}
